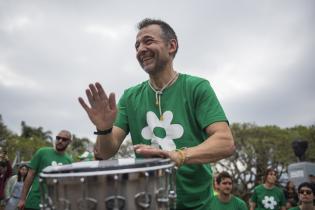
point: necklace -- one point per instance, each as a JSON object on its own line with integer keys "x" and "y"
{"x": 158, "y": 93}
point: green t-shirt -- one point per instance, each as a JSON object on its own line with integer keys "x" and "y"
{"x": 234, "y": 203}
{"x": 295, "y": 208}
{"x": 44, "y": 157}
{"x": 268, "y": 198}
{"x": 188, "y": 106}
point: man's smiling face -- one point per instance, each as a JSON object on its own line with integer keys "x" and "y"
{"x": 153, "y": 52}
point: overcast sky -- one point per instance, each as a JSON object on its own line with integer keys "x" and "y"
{"x": 258, "y": 56}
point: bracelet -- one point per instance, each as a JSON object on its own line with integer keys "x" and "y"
{"x": 105, "y": 132}
{"x": 182, "y": 155}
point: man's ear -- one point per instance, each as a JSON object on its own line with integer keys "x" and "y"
{"x": 172, "y": 44}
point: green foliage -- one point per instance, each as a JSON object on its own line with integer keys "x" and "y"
{"x": 77, "y": 147}
{"x": 5, "y": 133}
{"x": 27, "y": 143}
{"x": 25, "y": 146}
{"x": 125, "y": 150}
{"x": 31, "y": 132}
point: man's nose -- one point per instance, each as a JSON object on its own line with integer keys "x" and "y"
{"x": 141, "y": 48}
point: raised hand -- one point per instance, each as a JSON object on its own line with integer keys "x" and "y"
{"x": 102, "y": 110}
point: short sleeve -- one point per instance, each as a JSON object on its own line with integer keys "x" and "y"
{"x": 208, "y": 107}
{"x": 121, "y": 120}
{"x": 35, "y": 162}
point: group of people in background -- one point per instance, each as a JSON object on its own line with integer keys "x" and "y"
{"x": 266, "y": 196}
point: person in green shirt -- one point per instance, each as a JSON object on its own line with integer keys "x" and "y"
{"x": 225, "y": 200}
{"x": 306, "y": 192}
{"x": 46, "y": 156}
{"x": 171, "y": 115}
{"x": 268, "y": 196}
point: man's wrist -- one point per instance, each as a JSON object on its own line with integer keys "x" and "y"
{"x": 103, "y": 132}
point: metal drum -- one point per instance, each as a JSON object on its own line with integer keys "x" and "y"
{"x": 123, "y": 184}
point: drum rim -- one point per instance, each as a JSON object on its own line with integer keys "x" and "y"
{"x": 117, "y": 166}
{"x": 107, "y": 172}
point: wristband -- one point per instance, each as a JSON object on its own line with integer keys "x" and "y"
{"x": 182, "y": 157}
{"x": 104, "y": 132}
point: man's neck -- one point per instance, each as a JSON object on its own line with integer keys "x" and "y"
{"x": 307, "y": 206}
{"x": 224, "y": 198}
{"x": 61, "y": 152}
{"x": 163, "y": 78}
{"x": 268, "y": 185}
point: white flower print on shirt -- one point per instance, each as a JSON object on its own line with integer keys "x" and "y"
{"x": 168, "y": 131}
{"x": 54, "y": 163}
{"x": 269, "y": 202}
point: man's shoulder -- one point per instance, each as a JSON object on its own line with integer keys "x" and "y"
{"x": 295, "y": 208}
{"x": 259, "y": 188}
{"x": 238, "y": 199}
{"x": 279, "y": 189}
{"x": 214, "y": 197}
{"x": 192, "y": 79}
{"x": 136, "y": 88}
{"x": 45, "y": 149}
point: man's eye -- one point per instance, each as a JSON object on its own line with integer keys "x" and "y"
{"x": 148, "y": 41}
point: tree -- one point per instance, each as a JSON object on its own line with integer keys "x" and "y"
{"x": 28, "y": 142}
{"x": 5, "y": 133}
{"x": 26, "y": 147}
{"x": 125, "y": 150}
{"x": 78, "y": 146}
{"x": 30, "y": 132}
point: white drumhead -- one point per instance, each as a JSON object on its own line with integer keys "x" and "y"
{"x": 119, "y": 166}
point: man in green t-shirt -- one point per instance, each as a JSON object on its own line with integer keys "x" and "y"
{"x": 268, "y": 196}
{"x": 171, "y": 115}
{"x": 47, "y": 156}
{"x": 306, "y": 192}
{"x": 225, "y": 200}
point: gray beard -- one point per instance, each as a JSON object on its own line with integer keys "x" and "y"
{"x": 157, "y": 68}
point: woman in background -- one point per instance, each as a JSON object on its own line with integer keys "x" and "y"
{"x": 291, "y": 195}
{"x": 14, "y": 187}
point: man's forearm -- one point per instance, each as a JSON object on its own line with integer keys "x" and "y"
{"x": 108, "y": 145}
{"x": 218, "y": 146}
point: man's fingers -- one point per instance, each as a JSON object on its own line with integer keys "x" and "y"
{"x": 94, "y": 92}
{"x": 83, "y": 104}
{"x": 149, "y": 151}
{"x": 112, "y": 101}
{"x": 90, "y": 97}
{"x": 101, "y": 91}
{"x": 138, "y": 146}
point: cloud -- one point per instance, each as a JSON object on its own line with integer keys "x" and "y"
{"x": 10, "y": 79}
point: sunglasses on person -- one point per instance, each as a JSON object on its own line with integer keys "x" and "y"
{"x": 307, "y": 192}
{"x": 60, "y": 138}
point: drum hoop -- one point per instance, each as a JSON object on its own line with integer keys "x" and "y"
{"x": 106, "y": 172}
